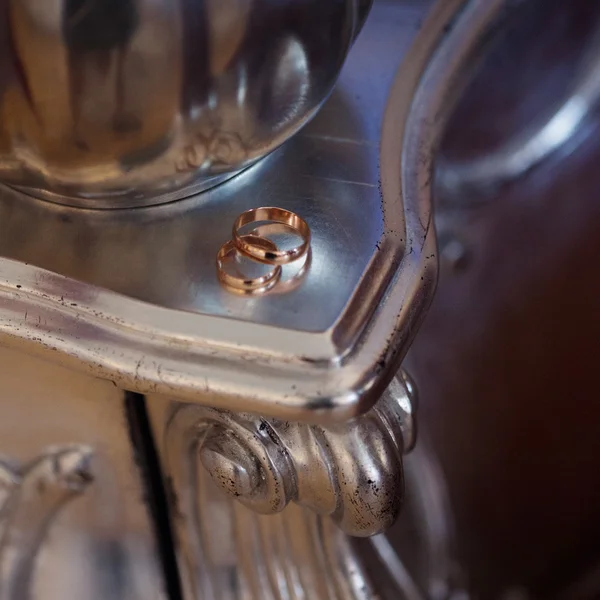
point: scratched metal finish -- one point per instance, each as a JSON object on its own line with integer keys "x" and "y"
{"x": 328, "y": 174}
{"x": 133, "y": 295}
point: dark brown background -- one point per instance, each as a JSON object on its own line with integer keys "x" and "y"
{"x": 508, "y": 359}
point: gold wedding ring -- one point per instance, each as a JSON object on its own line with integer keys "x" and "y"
{"x": 271, "y": 256}
{"x": 256, "y": 246}
{"x": 241, "y": 283}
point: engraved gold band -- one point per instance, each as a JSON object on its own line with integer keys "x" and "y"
{"x": 271, "y": 256}
{"x": 247, "y": 284}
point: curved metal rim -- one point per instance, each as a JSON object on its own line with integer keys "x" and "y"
{"x": 152, "y": 349}
{"x": 125, "y": 201}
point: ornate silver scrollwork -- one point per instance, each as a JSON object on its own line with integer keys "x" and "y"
{"x": 351, "y": 472}
{"x": 30, "y": 499}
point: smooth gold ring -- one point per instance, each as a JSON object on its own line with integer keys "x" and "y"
{"x": 247, "y": 284}
{"x": 275, "y": 215}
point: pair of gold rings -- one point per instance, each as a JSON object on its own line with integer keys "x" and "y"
{"x": 254, "y": 246}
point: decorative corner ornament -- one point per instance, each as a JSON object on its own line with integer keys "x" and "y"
{"x": 350, "y": 471}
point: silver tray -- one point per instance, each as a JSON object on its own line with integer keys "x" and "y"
{"x": 132, "y": 295}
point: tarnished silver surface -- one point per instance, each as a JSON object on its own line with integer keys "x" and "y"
{"x": 417, "y": 558}
{"x": 228, "y": 552}
{"x": 73, "y": 518}
{"x": 148, "y": 311}
{"x": 132, "y": 102}
{"x": 351, "y": 472}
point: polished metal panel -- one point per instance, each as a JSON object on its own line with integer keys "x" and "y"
{"x": 325, "y": 350}
{"x": 73, "y": 519}
{"x": 125, "y": 102}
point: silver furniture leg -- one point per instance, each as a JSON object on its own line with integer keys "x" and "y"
{"x": 231, "y": 477}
